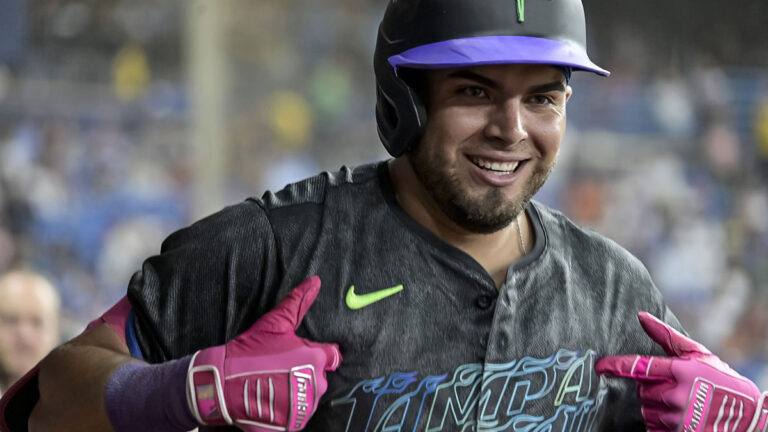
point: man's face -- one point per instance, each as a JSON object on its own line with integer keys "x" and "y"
{"x": 28, "y": 327}
{"x": 491, "y": 140}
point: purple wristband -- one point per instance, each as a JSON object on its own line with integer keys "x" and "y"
{"x": 141, "y": 396}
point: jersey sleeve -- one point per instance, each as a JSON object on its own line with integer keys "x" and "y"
{"x": 210, "y": 282}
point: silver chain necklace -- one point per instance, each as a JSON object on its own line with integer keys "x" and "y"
{"x": 520, "y": 234}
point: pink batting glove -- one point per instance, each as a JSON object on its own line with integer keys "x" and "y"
{"x": 267, "y": 378}
{"x": 692, "y": 390}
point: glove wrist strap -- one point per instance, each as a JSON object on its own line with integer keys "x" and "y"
{"x": 760, "y": 419}
{"x": 205, "y": 390}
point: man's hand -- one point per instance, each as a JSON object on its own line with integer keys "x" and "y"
{"x": 692, "y": 390}
{"x": 267, "y": 378}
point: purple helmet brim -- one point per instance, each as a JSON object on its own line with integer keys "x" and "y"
{"x": 486, "y": 50}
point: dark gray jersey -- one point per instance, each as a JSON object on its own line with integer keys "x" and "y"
{"x": 449, "y": 352}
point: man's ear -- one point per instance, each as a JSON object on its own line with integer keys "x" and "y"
{"x": 568, "y": 92}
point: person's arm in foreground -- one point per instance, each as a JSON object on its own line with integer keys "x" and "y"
{"x": 267, "y": 377}
{"x": 72, "y": 381}
{"x": 692, "y": 389}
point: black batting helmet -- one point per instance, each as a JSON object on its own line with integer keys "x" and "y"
{"x": 434, "y": 34}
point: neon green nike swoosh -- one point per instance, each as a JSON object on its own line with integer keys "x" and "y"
{"x": 355, "y": 301}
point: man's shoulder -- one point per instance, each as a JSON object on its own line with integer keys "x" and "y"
{"x": 317, "y": 189}
{"x": 301, "y": 210}
{"x": 299, "y": 204}
{"x": 581, "y": 244}
{"x": 611, "y": 274}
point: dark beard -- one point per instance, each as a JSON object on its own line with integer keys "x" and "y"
{"x": 481, "y": 215}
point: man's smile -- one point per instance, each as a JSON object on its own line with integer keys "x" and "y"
{"x": 496, "y": 172}
{"x": 499, "y": 168}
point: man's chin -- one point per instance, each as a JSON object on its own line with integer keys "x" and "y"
{"x": 485, "y": 224}
{"x": 484, "y": 215}
{"x": 475, "y": 207}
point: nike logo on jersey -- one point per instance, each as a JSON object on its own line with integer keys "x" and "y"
{"x": 355, "y": 301}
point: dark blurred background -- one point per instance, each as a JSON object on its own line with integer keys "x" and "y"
{"x": 123, "y": 120}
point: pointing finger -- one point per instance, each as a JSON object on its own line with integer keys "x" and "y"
{"x": 639, "y": 368}
{"x": 289, "y": 313}
{"x": 672, "y": 341}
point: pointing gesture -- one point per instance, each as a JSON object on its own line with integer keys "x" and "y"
{"x": 692, "y": 389}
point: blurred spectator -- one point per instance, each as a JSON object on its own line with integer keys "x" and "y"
{"x": 29, "y": 323}
{"x": 672, "y": 105}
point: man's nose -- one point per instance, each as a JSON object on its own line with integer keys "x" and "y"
{"x": 506, "y": 123}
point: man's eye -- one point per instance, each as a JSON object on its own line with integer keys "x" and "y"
{"x": 541, "y": 100}
{"x": 475, "y": 92}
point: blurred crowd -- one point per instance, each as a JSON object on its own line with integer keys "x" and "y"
{"x": 669, "y": 159}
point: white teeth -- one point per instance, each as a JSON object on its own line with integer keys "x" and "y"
{"x": 499, "y": 167}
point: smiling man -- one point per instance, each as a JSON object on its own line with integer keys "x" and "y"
{"x": 490, "y": 143}
{"x": 456, "y": 301}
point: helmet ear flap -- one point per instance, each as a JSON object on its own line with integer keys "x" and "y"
{"x": 385, "y": 110}
{"x": 400, "y": 115}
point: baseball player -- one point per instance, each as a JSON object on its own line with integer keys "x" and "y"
{"x": 429, "y": 292}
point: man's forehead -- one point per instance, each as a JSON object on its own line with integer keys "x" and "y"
{"x": 23, "y": 289}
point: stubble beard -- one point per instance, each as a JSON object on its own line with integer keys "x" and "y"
{"x": 481, "y": 214}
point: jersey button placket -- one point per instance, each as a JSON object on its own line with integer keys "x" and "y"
{"x": 484, "y": 302}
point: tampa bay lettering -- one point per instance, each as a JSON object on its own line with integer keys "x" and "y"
{"x": 490, "y": 397}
